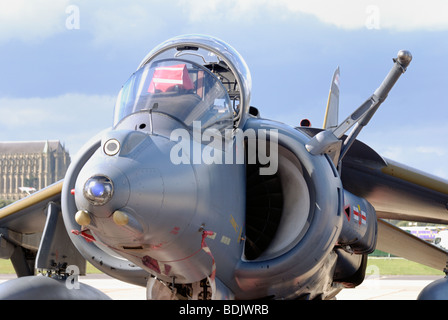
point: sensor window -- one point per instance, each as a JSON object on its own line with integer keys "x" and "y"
{"x": 111, "y": 147}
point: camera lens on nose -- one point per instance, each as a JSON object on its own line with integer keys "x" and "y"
{"x": 98, "y": 190}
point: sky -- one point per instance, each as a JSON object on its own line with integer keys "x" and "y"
{"x": 63, "y": 62}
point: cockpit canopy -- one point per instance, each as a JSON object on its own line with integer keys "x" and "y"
{"x": 183, "y": 90}
{"x": 190, "y": 78}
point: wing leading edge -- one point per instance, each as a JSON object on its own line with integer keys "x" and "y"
{"x": 28, "y": 214}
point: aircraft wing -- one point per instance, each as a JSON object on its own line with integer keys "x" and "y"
{"x": 395, "y": 190}
{"x": 398, "y": 242}
{"x": 23, "y": 225}
{"x": 398, "y": 192}
{"x": 28, "y": 215}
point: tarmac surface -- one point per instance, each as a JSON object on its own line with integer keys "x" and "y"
{"x": 388, "y": 288}
{"x": 373, "y": 287}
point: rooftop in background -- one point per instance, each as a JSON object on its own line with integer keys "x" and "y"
{"x": 13, "y": 147}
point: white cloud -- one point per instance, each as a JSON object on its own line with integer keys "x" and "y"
{"x": 402, "y": 15}
{"x": 124, "y": 22}
{"x": 31, "y": 21}
{"x": 118, "y": 21}
{"x": 413, "y": 15}
{"x": 224, "y": 11}
{"x": 430, "y": 158}
{"x": 71, "y": 118}
{"x": 436, "y": 151}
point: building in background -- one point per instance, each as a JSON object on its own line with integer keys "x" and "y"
{"x": 29, "y": 166}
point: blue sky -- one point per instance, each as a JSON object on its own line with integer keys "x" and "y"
{"x": 63, "y": 62}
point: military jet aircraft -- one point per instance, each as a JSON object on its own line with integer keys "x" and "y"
{"x": 194, "y": 195}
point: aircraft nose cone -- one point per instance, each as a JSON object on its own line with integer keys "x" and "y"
{"x": 101, "y": 189}
{"x": 98, "y": 190}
